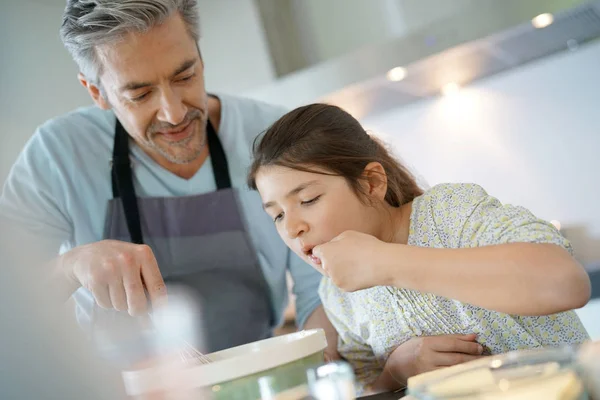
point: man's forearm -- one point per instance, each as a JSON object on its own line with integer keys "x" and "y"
{"x": 318, "y": 319}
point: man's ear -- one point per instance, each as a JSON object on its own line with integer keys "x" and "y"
{"x": 94, "y": 92}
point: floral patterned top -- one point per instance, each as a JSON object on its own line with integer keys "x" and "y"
{"x": 371, "y": 323}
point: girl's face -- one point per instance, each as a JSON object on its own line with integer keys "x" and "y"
{"x": 310, "y": 209}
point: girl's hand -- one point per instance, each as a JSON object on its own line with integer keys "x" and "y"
{"x": 352, "y": 260}
{"x": 423, "y": 354}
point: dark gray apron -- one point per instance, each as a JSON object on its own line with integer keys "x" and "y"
{"x": 200, "y": 242}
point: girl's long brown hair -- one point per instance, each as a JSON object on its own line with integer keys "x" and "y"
{"x": 321, "y": 136}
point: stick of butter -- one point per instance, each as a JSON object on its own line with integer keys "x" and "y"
{"x": 438, "y": 374}
{"x": 465, "y": 382}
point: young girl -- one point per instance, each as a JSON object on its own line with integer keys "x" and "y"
{"x": 414, "y": 280}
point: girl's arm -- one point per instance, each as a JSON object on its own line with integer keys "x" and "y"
{"x": 497, "y": 256}
{"x": 318, "y": 320}
{"x": 513, "y": 278}
{"x": 465, "y": 245}
{"x": 423, "y": 354}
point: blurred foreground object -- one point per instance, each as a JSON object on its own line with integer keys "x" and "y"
{"x": 589, "y": 357}
{"x": 42, "y": 355}
{"x": 173, "y": 334}
{"x": 565, "y": 373}
{"x": 333, "y": 381}
{"x": 273, "y": 367}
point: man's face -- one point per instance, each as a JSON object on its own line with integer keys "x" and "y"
{"x": 154, "y": 82}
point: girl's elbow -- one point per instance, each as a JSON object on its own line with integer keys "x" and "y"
{"x": 584, "y": 293}
{"x": 575, "y": 289}
{"x": 571, "y": 283}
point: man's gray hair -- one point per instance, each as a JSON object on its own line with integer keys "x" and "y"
{"x": 89, "y": 23}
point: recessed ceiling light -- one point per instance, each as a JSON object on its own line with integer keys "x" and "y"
{"x": 542, "y": 20}
{"x": 396, "y": 74}
{"x": 450, "y": 88}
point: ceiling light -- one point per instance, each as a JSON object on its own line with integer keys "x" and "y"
{"x": 450, "y": 88}
{"x": 396, "y": 74}
{"x": 542, "y": 20}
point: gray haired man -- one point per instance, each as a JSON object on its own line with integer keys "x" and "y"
{"x": 147, "y": 187}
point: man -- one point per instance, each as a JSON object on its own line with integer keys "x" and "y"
{"x": 148, "y": 187}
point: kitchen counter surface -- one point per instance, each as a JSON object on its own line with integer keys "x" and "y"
{"x": 385, "y": 396}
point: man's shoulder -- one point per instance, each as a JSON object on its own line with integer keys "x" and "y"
{"x": 243, "y": 120}
{"x": 252, "y": 111}
{"x": 64, "y": 153}
{"x": 85, "y": 130}
{"x": 79, "y": 123}
{"x": 69, "y": 142}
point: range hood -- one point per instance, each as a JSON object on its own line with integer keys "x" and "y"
{"x": 479, "y": 39}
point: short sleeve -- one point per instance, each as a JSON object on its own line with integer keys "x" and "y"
{"x": 30, "y": 202}
{"x": 305, "y": 288}
{"x": 362, "y": 359}
{"x": 351, "y": 346}
{"x": 467, "y": 216}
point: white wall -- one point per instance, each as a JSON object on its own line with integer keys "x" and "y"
{"x": 530, "y": 136}
{"x": 234, "y": 46}
{"x": 38, "y": 78}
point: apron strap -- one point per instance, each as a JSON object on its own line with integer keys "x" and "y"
{"x": 122, "y": 181}
{"x": 122, "y": 176}
{"x": 217, "y": 158}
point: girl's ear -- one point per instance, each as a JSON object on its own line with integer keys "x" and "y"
{"x": 375, "y": 180}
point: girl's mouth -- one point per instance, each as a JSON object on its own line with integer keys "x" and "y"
{"x": 308, "y": 251}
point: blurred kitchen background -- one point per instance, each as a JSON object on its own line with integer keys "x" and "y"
{"x": 504, "y": 93}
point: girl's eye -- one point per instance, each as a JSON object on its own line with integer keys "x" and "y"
{"x": 308, "y": 202}
{"x": 278, "y": 217}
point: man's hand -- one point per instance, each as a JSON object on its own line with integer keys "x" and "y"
{"x": 117, "y": 274}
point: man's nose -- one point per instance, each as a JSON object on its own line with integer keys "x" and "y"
{"x": 172, "y": 108}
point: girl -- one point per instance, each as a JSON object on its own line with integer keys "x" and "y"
{"x": 414, "y": 280}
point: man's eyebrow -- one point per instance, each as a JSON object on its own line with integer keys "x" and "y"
{"x": 134, "y": 86}
{"x": 139, "y": 85}
{"x": 184, "y": 66}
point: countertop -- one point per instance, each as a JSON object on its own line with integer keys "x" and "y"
{"x": 385, "y": 396}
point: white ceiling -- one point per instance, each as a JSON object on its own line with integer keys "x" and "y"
{"x": 478, "y": 43}
{"x": 61, "y": 3}
{"x": 472, "y": 61}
